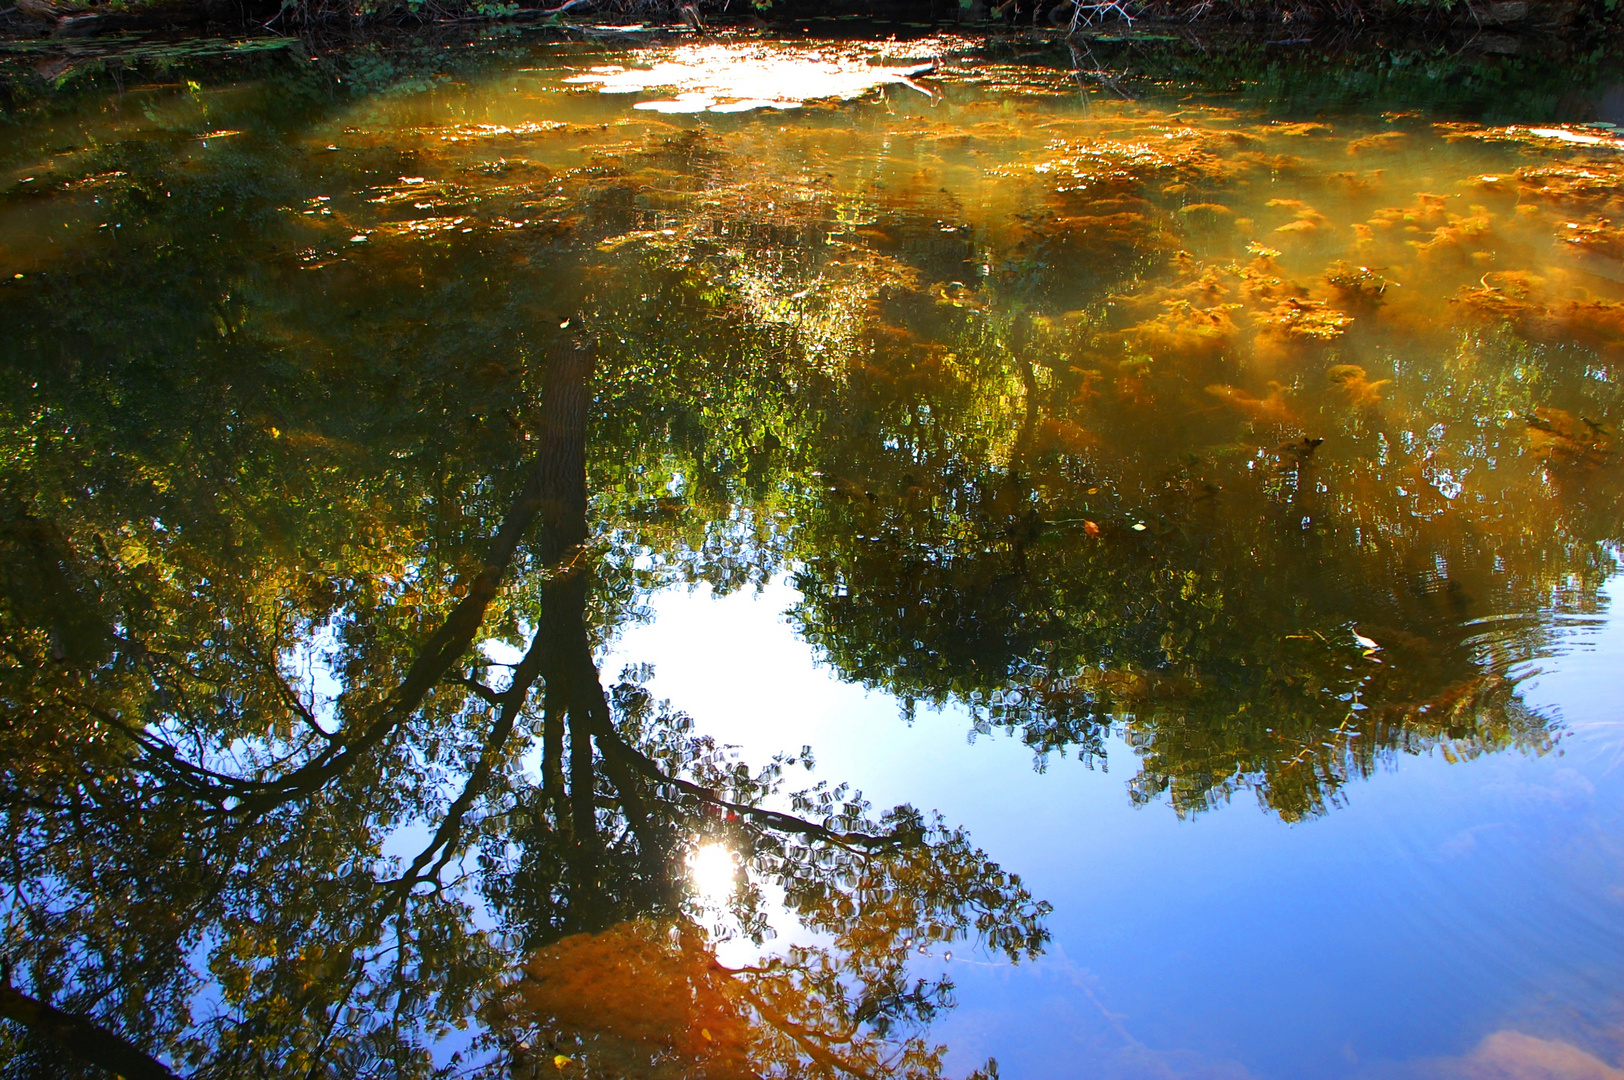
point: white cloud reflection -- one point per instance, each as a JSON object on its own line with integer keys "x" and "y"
{"x": 1511, "y": 1055}
{"x": 1506, "y": 1055}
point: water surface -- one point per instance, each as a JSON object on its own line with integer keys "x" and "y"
{"x": 469, "y": 543}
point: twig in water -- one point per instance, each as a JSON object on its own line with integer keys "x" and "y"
{"x": 1084, "y": 14}
{"x": 696, "y": 22}
{"x": 1100, "y": 75}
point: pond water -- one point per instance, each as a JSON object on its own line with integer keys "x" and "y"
{"x": 485, "y": 552}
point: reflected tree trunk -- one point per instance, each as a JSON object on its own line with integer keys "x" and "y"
{"x": 552, "y": 758}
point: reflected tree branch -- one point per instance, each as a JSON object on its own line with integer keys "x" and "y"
{"x": 617, "y": 748}
{"x": 80, "y": 1037}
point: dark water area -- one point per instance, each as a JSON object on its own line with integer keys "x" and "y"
{"x": 813, "y": 558}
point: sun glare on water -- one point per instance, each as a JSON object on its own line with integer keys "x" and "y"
{"x": 726, "y": 78}
{"x": 712, "y": 870}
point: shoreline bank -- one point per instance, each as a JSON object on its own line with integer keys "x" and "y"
{"x": 1506, "y": 27}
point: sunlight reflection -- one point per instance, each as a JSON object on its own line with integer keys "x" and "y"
{"x": 713, "y": 869}
{"x": 724, "y": 78}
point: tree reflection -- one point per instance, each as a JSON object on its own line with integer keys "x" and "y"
{"x": 200, "y": 839}
{"x": 1276, "y": 617}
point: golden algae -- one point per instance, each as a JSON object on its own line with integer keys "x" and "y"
{"x": 1186, "y": 330}
{"x": 1355, "y": 383}
{"x": 1273, "y": 409}
{"x": 1294, "y": 317}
